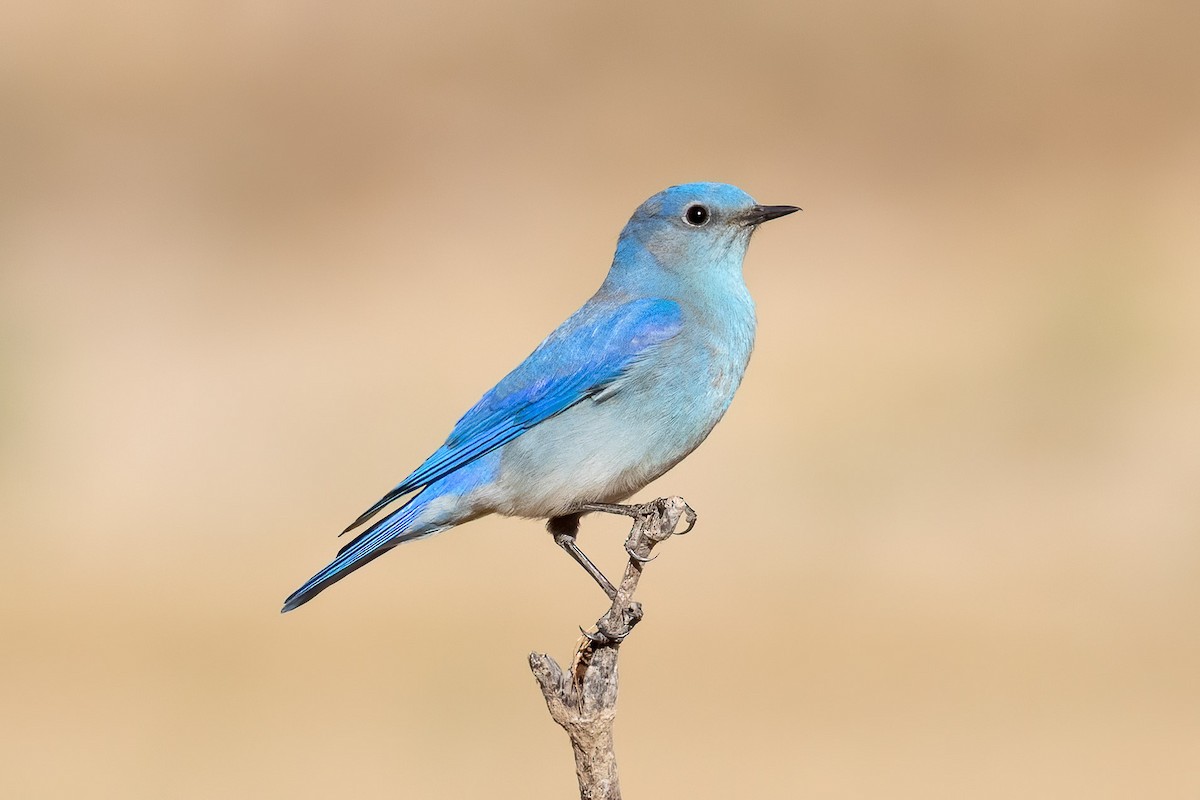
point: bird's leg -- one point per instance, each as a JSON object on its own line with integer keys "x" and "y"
{"x": 564, "y": 530}
{"x": 625, "y": 511}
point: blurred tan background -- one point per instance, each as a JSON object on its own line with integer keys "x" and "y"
{"x": 255, "y": 260}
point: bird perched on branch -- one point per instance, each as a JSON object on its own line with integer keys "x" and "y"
{"x": 622, "y": 391}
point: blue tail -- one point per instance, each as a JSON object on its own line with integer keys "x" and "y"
{"x": 366, "y": 547}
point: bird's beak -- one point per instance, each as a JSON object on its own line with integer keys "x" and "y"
{"x": 757, "y": 215}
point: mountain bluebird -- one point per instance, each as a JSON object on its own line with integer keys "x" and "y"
{"x": 622, "y": 391}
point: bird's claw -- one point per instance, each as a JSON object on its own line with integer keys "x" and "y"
{"x": 603, "y": 638}
{"x": 595, "y": 638}
{"x": 690, "y": 516}
{"x": 635, "y": 556}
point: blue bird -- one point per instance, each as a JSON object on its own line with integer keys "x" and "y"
{"x": 621, "y": 392}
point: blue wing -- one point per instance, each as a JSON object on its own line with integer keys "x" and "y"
{"x": 586, "y": 355}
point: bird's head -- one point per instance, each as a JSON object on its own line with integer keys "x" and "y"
{"x": 693, "y": 231}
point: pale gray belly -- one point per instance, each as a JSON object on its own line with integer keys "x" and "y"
{"x": 604, "y": 451}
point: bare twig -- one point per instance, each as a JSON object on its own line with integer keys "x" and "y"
{"x": 584, "y": 700}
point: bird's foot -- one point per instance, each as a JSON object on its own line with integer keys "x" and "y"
{"x": 645, "y": 509}
{"x": 610, "y": 632}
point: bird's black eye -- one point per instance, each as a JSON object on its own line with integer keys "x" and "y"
{"x": 696, "y": 215}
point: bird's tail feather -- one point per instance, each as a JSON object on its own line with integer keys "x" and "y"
{"x": 390, "y": 531}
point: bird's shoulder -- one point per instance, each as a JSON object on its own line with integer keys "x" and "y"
{"x": 605, "y": 329}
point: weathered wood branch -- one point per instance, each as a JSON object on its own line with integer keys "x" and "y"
{"x": 583, "y": 700}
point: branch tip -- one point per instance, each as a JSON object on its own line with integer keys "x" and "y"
{"x": 585, "y": 704}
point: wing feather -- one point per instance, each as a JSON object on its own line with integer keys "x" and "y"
{"x": 584, "y": 357}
